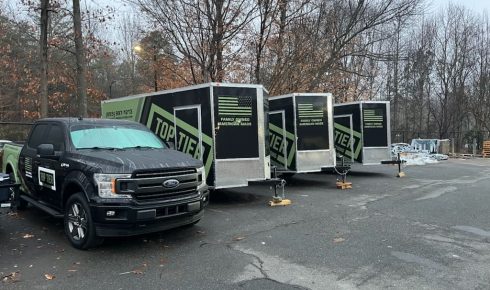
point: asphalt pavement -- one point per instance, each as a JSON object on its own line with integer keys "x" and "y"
{"x": 428, "y": 230}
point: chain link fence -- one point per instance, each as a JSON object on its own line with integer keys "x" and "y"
{"x": 14, "y": 131}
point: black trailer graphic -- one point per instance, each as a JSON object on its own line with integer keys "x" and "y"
{"x": 301, "y": 132}
{"x": 221, "y": 124}
{"x": 362, "y": 131}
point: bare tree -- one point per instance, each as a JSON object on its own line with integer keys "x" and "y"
{"x": 203, "y": 32}
{"x": 80, "y": 60}
{"x": 340, "y": 22}
{"x": 43, "y": 49}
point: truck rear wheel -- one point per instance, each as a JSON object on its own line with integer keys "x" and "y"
{"x": 79, "y": 226}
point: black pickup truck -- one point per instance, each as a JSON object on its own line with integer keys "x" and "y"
{"x": 106, "y": 178}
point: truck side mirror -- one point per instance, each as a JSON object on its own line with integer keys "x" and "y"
{"x": 45, "y": 150}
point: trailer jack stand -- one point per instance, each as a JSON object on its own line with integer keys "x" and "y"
{"x": 276, "y": 199}
{"x": 342, "y": 170}
{"x": 399, "y": 162}
{"x": 342, "y": 184}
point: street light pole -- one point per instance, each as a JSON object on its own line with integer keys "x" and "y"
{"x": 155, "y": 76}
{"x": 110, "y": 88}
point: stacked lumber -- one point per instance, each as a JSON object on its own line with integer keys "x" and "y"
{"x": 486, "y": 149}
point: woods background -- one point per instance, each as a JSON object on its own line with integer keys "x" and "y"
{"x": 434, "y": 67}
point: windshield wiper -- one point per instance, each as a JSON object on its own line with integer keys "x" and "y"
{"x": 140, "y": 147}
{"x": 99, "y": 148}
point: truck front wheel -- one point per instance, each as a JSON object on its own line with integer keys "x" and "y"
{"x": 79, "y": 226}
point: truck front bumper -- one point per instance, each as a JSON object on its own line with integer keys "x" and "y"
{"x": 118, "y": 220}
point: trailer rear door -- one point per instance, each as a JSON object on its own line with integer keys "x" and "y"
{"x": 278, "y": 145}
{"x": 186, "y": 120}
{"x": 347, "y": 143}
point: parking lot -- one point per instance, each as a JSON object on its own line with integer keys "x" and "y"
{"x": 428, "y": 230}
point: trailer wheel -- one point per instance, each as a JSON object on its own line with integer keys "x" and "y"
{"x": 79, "y": 226}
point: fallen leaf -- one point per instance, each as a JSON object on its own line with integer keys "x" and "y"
{"x": 12, "y": 277}
{"x": 27, "y": 236}
{"x": 238, "y": 238}
{"x": 137, "y": 271}
{"x": 338, "y": 240}
{"x": 49, "y": 276}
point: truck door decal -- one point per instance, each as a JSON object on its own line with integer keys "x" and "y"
{"x": 28, "y": 166}
{"x": 47, "y": 177}
{"x": 161, "y": 122}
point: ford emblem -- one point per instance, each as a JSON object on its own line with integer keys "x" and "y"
{"x": 171, "y": 183}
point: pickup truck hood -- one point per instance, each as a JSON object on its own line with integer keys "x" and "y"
{"x": 129, "y": 160}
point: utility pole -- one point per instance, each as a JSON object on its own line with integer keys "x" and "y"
{"x": 43, "y": 50}
{"x": 80, "y": 59}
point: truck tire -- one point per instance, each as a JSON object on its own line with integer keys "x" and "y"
{"x": 78, "y": 223}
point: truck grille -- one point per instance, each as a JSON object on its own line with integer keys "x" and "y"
{"x": 149, "y": 185}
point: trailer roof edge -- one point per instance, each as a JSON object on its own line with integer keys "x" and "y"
{"x": 198, "y": 86}
{"x": 300, "y": 94}
{"x": 362, "y": 102}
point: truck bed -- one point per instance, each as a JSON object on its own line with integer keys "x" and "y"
{"x": 10, "y": 158}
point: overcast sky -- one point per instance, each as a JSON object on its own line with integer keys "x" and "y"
{"x": 476, "y": 5}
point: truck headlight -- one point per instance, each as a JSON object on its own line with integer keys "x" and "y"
{"x": 106, "y": 184}
{"x": 201, "y": 178}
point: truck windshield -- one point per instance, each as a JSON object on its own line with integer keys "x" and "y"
{"x": 113, "y": 137}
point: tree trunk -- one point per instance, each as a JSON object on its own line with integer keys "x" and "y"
{"x": 43, "y": 45}
{"x": 80, "y": 58}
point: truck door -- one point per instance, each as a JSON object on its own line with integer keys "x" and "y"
{"x": 49, "y": 171}
{"x": 27, "y": 163}
{"x": 277, "y": 137}
{"x": 344, "y": 136}
{"x": 188, "y": 133}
